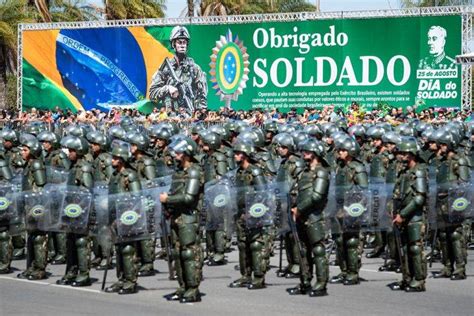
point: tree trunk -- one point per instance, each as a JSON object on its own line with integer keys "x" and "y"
{"x": 190, "y": 8}
{"x": 3, "y": 78}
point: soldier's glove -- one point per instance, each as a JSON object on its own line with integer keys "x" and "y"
{"x": 173, "y": 91}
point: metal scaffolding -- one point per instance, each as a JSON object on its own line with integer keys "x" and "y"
{"x": 466, "y": 12}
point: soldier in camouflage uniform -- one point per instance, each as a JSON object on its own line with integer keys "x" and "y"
{"x": 34, "y": 178}
{"x": 124, "y": 179}
{"x": 103, "y": 170}
{"x": 81, "y": 175}
{"x": 253, "y": 251}
{"x": 349, "y": 172}
{"x": 409, "y": 195}
{"x": 378, "y": 162}
{"x": 162, "y": 155}
{"x": 11, "y": 141}
{"x": 6, "y": 246}
{"x": 56, "y": 158}
{"x": 53, "y": 156}
{"x": 145, "y": 168}
{"x": 181, "y": 206}
{"x": 290, "y": 168}
{"x": 214, "y": 166}
{"x": 390, "y": 140}
{"x": 451, "y": 170}
{"x": 313, "y": 186}
{"x": 164, "y": 89}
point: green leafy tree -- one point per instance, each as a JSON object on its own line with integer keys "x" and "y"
{"x": 134, "y": 9}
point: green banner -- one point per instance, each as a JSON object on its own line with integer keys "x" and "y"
{"x": 399, "y": 61}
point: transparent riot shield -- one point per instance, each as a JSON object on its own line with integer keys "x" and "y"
{"x": 75, "y": 210}
{"x": 56, "y": 175}
{"x": 356, "y": 209}
{"x": 6, "y": 202}
{"x": 131, "y": 217}
{"x": 460, "y": 198}
{"x": 380, "y": 211}
{"x": 281, "y": 190}
{"x": 56, "y": 193}
{"x": 220, "y": 206}
{"x": 35, "y": 210}
{"x": 102, "y": 215}
{"x": 330, "y": 210}
{"x": 432, "y": 214}
{"x": 260, "y": 208}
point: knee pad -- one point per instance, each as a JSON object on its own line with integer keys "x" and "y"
{"x": 456, "y": 235}
{"x": 40, "y": 239}
{"x": 187, "y": 254}
{"x": 128, "y": 250}
{"x": 319, "y": 251}
{"x": 256, "y": 246}
{"x": 353, "y": 243}
{"x": 4, "y": 236}
{"x": 81, "y": 242}
{"x": 415, "y": 249}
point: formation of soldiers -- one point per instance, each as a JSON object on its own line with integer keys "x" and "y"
{"x": 86, "y": 198}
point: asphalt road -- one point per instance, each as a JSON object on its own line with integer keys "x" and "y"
{"x": 371, "y": 297}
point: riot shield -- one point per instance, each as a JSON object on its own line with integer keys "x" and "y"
{"x": 260, "y": 208}
{"x": 154, "y": 208}
{"x": 131, "y": 217}
{"x": 331, "y": 208}
{"x": 36, "y": 211}
{"x": 6, "y": 202}
{"x": 101, "y": 215}
{"x": 460, "y": 202}
{"x": 56, "y": 194}
{"x": 432, "y": 214}
{"x": 356, "y": 209}
{"x": 281, "y": 190}
{"x": 381, "y": 214}
{"x": 56, "y": 175}
{"x": 75, "y": 210}
{"x": 220, "y": 206}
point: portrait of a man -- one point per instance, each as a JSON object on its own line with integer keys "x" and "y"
{"x": 437, "y": 58}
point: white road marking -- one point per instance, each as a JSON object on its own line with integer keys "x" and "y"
{"x": 50, "y": 284}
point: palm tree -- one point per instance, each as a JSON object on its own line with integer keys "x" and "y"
{"x": 12, "y": 12}
{"x": 234, "y": 7}
{"x": 134, "y": 9}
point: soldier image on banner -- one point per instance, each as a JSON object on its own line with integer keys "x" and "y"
{"x": 180, "y": 82}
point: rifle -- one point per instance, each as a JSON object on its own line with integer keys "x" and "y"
{"x": 301, "y": 253}
{"x": 185, "y": 91}
{"x": 401, "y": 253}
{"x": 167, "y": 246}
{"x": 433, "y": 243}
